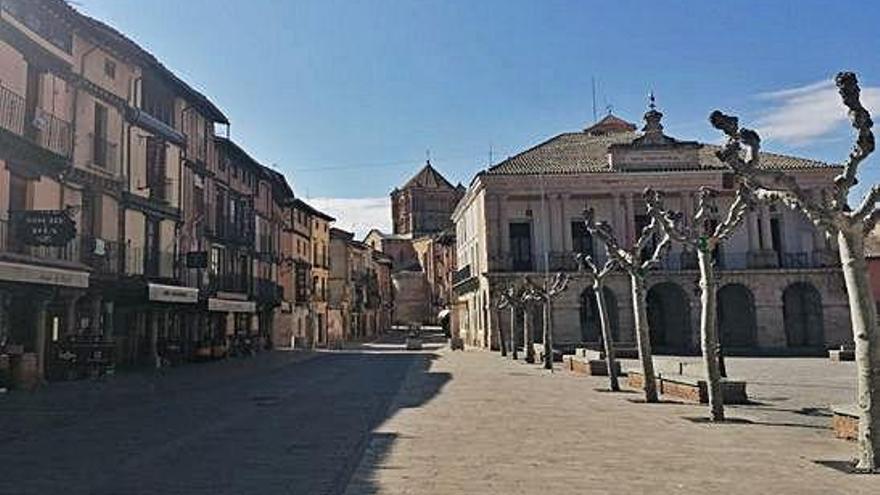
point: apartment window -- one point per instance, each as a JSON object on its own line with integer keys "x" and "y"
{"x": 156, "y": 168}
{"x": 199, "y": 195}
{"x": 151, "y": 248}
{"x": 521, "y": 246}
{"x": 581, "y": 238}
{"x": 110, "y": 68}
{"x": 100, "y": 146}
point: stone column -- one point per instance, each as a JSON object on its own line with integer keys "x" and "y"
{"x": 110, "y": 312}
{"x": 766, "y": 233}
{"x": 153, "y": 317}
{"x": 95, "y": 323}
{"x": 40, "y": 338}
{"x": 617, "y": 218}
{"x": 752, "y": 226}
{"x": 630, "y": 220}
{"x": 70, "y": 323}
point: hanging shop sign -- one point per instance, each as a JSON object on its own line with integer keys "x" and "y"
{"x": 43, "y": 227}
{"x": 231, "y": 306}
{"x": 173, "y": 293}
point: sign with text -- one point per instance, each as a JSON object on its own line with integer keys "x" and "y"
{"x": 43, "y": 227}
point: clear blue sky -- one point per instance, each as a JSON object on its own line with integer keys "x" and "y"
{"x": 362, "y": 89}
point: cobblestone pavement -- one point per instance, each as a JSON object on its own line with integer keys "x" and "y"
{"x": 275, "y": 423}
{"x": 502, "y": 427}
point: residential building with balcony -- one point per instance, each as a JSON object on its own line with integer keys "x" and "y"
{"x": 780, "y": 286}
{"x": 320, "y": 244}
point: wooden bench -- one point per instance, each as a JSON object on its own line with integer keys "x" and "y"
{"x": 590, "y": 367}
{"x": 845, "y": 421}
{"x": 694, "y": 390}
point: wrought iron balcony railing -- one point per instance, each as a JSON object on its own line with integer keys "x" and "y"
{"x": 45, "y": 130}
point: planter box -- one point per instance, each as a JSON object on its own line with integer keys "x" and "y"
{"x": 693, "y": 390}
{"x": 845, "y": 422}
{"x": 589, "y": 367}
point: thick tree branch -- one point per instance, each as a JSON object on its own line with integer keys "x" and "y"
{"x": 872, "y": 220}
{"x": 659, "y": 252}
{"x": 779, "y": 185}
{"x": 869, "y": 203}
{"x": 669, "y": 222}
{"x": 735, "y": 214}
{"x": 848, "y": 87}
{"x": 603, "y": 231}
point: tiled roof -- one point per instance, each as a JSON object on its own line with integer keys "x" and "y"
{"x": 579, "y": 152}
{"x": 428, "y": 176}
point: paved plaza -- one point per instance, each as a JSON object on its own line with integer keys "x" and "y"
{"x": 377, "y": 419}
{"x": 508, "y": 428}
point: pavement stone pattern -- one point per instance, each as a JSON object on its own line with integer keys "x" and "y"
{"x": 503, "y": 427}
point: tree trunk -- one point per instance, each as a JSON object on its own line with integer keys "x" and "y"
{"x": 607, "y": 339}
{"x": 709, "y": 335}
{"x": 528, "y": 347}
{"x": 513, "y": 353}
{"x": 502, "y": 345}
{"x": 863, "y": 315}
{"x": 548, "y": 335}
{"x": 643, "y": 336}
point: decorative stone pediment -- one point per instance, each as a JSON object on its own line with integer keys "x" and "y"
{"x": 653, "y": 150}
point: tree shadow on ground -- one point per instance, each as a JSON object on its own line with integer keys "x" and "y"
{"x": 743, "y": 421}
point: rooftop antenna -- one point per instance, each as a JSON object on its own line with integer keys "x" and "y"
{"x": 428, "y": 156}
{"x": 593, "y": 81}
{"x": 491, "y": 150}
{"x": 609, "y": 108}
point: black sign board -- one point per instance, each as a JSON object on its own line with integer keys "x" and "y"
{"x": 43, "y": 227}
{"x": 197, "y": 259}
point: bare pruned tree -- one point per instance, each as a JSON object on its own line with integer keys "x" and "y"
{"x": 512, "y": 299}
{"x": 704, "y": 236}
{"x": 597, "y": 276}
{"x": 636, "y": 265}
{"x": 741, "y": 153}
{"x": 531, "y": 301}
{"x": 544, "y": 295}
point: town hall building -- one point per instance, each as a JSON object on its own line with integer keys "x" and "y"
{"x": 780, "y": 284}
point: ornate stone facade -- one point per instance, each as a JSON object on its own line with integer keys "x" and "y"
{"x": 780, "y": 287}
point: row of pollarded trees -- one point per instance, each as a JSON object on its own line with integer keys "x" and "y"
{"x": 710, "y": 227}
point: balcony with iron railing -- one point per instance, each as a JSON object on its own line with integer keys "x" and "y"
{"x": 565, "y": 261}
{"x": 45, "y": 130}
{"x": 102, "y": 255}
{"x": 140, "y": 261}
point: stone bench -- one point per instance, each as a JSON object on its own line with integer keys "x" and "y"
{"x": 691, "y": 389}
{"x": 845, "y": 353}
{"x": 845, "y": 421}
{"x": 590, "y": 367}
{"x": 539, "y": 353}
{"x": 619, "y": 353}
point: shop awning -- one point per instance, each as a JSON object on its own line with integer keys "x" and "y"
{"x": 36, "y": 274}
{"x": 172, "y": 293}
{"x": 231, "y": 305}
